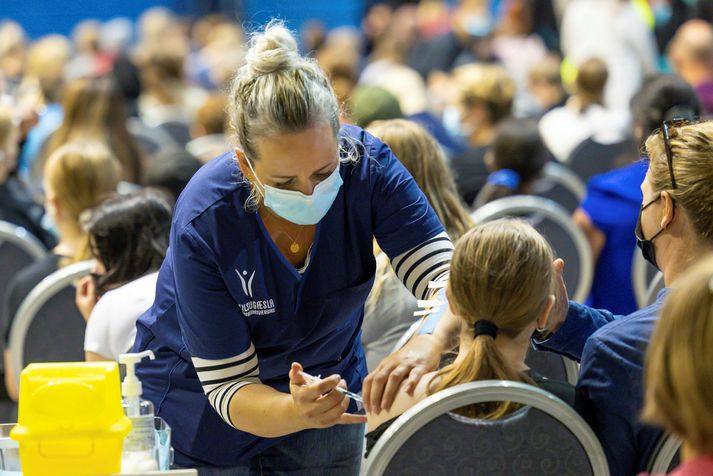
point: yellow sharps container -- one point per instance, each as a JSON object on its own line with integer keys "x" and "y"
{"x": 70, "y": 419}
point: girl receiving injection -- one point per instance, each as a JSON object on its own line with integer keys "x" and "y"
{"x": 500, "y": 287}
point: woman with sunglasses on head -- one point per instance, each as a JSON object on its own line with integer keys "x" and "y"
{"x": 269, "y": 265}
{"x": 128, "y": 237}
{"x": 611, "y": 235}
{"x": 674, "y": 231}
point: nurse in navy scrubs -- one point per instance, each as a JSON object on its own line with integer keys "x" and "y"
{"x": 269, "y": 265}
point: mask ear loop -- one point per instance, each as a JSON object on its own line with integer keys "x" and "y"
{"x": 255, "y": 176}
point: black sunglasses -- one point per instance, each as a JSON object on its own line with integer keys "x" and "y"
{"x": 667, "y": 125}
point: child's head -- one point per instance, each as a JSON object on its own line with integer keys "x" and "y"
{"x": 501, "y": 271}
{"x": 78, "y": 176}
{"x": 128, "y": 235}
{"x": 679, "y": 364}
{"x": 500, "y": 286}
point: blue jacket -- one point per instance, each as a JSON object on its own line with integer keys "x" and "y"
{"x": 611, "y": 350}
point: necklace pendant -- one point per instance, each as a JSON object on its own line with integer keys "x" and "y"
{"x": 294, "y": 248}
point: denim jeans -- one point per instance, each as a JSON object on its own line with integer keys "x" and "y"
{"x": 335, "y": 451}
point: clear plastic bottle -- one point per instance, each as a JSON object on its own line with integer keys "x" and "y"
{"x": 139, "y": 453}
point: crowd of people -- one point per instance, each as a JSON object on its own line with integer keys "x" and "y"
{"x": 261, "y": 204}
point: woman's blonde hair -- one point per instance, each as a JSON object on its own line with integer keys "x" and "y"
{"x": 679, "y": 362}
{"x": 81, "y": 174}
{"x": 278, "y": 91}
{"x": 486, "y": 84}
{"x": 93, "y": 110}
{"x": 7, "y": 126}
{"x": 501, "y": 272}
{"x": 424, "y": 159}
{"x": 692, "y": 154}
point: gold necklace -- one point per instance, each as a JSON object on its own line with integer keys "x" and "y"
{"x": 295, "y": 246}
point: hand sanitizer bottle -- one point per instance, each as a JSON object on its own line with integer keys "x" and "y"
{"x": 139, "y": 453}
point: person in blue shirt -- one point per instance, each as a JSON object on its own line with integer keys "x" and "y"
{"x": 269, "y": 264}
{"x": 674, "y": 231}
{"x": 610, "y": 208}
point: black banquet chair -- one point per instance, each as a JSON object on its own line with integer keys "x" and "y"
{"x": 545, "y": 437}
{"x": 18, "y": 249}
{"x": 555, "y": 224}
{"x": 560, "y": 185}
{"x": 48, "y": 327}
{"x": 592, "y": 158}
{"x": 666, "y": 455}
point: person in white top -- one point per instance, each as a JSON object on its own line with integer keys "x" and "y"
{"x": 614, "y": 31}
{"x": 128, "y": 237}
{"x": 584, "y": 115}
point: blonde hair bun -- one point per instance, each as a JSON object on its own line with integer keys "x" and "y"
{"x": 272, "y": 50}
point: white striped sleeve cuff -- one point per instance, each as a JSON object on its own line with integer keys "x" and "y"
{"x": 222, "y": 378}
{"x": 429, "y": 261}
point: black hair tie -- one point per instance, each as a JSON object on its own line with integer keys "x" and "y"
{"x": 484, "y": 327}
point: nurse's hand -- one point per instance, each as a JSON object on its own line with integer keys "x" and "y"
{"x": 319, "y": 405}
{"x": 420, "y": 356}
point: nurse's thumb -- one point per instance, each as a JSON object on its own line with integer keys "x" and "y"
{"x": 296, "y": 377}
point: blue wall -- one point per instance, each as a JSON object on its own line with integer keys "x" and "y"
{"x": 332, "y": 13}
{"x": 41, "y": 17}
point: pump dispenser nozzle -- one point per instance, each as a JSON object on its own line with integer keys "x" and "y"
{"x": 131, "y": 386}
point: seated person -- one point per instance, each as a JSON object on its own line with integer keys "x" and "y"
{"x": 128, "y": 237}
{"x": 674, "y": 231}
{"x": 679, "y": 370}
{"x": 171, "y": 171}
{"x": 484, "y": 98}
{"x": 209, "y": 129}
{"x": 500, "y": 288}
{"x": 388, "y": 311}
{"x": 516, "y": 159}
{"x": 17, "y": 205}
{"x": 77, "y": 176}
{"x": 611, "y": 235}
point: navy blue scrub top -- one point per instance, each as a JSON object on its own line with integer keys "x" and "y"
{"x": 225, "y": 286}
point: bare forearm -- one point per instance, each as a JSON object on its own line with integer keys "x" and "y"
{"x": 263, "y": 411}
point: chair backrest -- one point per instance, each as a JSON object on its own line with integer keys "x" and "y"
{"x": 48, "y": 327}
{"x": 560, "y": 185}
{"x": 553, "y": 366}
{"x": 18, "y": 249}
{"x": 150, "y": 140}
{"x": 666, "y": 455}
{"x": 179, "y": 130}
{"x": 643, "y": 274}
{"x": 545, "y": 437}
{"x": 555, "y": 223}
{"x": 592, "y": 158}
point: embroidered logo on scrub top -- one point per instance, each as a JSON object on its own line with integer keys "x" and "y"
{"x": 253, "y": 307}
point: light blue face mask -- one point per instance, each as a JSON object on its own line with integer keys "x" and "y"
{"x": 453, "y": 125}
{"x": 297, "y": 207}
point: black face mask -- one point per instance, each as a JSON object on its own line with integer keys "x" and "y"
{"x": 647, "y": 246}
